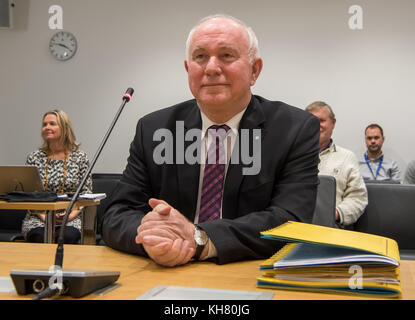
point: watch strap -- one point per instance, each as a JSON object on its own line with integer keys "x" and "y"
{"x": 198, "y": 252}
{"x": 199, "y": 247}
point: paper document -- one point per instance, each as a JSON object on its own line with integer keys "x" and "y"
{"x": 189, "y": 293}
{"x": 92, "y": 196}
{"x": 304, "y": 254}
{"x": 85, "y": 196}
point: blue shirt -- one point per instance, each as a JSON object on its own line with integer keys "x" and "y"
{"x": 381, "y": 168}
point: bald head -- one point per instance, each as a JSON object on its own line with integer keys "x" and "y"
{"x": 221, "y": 66}
{"x": 213, "y": 20}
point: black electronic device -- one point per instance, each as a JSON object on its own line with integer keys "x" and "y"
{"x": 75, "y": 283}
{"x": 20, "y": 178}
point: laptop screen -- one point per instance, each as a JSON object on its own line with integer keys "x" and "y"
{"x": 20, "y": 178}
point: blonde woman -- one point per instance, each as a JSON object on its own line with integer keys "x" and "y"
{"x": 62, "y": 166}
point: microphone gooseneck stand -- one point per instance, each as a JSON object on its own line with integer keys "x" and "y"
{"x": 49, "y": 292}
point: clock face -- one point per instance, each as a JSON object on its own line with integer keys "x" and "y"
{"x": 63, "y": 45}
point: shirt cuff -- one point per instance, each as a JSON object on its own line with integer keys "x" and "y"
{"x": 341, "y": 219}
{"x": 211, "y": 252}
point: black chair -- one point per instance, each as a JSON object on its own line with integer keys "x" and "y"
{"x": 103, "y": 183}
{"x": 387, "y": 181}
{"x": 11, "y": 225}
{"x": 325, "y": 211}
{"x": 390, "y": 213}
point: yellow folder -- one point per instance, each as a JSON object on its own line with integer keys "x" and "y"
{"x": 332, "y": 260}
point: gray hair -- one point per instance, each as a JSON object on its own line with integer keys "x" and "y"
{"x": 253, "y": 49}
{"x": 318, "y": 105}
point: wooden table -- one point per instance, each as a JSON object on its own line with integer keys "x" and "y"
{"x": 88, "y": 216}
{"x": 138, "y": 274}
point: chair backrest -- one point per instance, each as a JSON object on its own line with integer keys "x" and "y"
{"x": 387, "y": 181}
{"x": 324, "y": 213}
{"x": 390, "y": 213}
{"x": 104, "y": 183}
{"x": 11, "y": 219}
{"x": 11, "y": 223}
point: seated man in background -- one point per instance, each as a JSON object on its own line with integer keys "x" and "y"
{"x": 351, "y": 193}
{"x": 409, "y": 177}
{"x": 374, "y": 165}
{"x": 176, "y": 210}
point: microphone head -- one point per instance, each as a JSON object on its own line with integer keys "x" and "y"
{"x": 128, "y": 94}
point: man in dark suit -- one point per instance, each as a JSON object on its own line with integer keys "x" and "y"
{"x": 159, "y": 208}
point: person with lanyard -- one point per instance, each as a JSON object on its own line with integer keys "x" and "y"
{"x": 374, "y": 165}
{"x": 61, "y": 166}
{"x": 351, "y": 193}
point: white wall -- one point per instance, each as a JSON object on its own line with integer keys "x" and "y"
{"x": 308, "y": 49}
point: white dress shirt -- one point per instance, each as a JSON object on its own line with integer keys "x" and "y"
{"x": 206, "y": 139}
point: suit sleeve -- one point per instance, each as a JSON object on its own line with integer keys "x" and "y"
{"x": 128, "y": 203}
{"x": 293, "y": 198}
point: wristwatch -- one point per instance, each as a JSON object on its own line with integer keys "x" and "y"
{"x": 201, "y": 239}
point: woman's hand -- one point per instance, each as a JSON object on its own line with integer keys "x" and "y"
{"x": 41, "y": 216}
{"x": 59, "y": 216}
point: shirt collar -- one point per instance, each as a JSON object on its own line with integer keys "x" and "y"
{"x": 232, "y": 123}
{"x": 331, "y": 147}
{"x": 374, "y": 159}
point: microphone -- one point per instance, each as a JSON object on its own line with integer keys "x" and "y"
{"x": 128, "y": 94}
{"x": 77, "y": 283}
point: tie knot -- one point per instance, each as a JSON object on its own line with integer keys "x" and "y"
{"x": 220, "y": 131}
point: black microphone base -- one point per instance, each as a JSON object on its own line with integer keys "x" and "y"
{"x": 76, "y": 283}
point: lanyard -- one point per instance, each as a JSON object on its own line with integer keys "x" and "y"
{"x": 370, "y": 168}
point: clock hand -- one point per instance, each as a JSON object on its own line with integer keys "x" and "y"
{"x": 62, "y": 45}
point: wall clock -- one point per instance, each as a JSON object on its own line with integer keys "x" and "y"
{"x": 63, "y": 45}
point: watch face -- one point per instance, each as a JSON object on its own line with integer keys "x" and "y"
{"x": 63, "y": 45}
{"x": 201, "y": 237}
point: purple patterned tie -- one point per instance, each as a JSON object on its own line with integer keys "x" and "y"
{"x": 214, "y": 174}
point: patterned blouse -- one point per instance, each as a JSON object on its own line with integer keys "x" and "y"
{"x": 77, "y": 165}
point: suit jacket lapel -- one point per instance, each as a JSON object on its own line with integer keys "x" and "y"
{"x": 252, "y": 119}
{"x": 188, "y": 174}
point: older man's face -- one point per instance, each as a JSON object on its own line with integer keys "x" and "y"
{"x": 219, "y": 71}
{"x": 326, "y": 125}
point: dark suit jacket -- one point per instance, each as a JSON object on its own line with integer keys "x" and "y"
{"x": 284, "y": 189}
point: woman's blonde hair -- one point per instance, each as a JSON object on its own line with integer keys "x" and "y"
{"x": 67, "y": 137}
